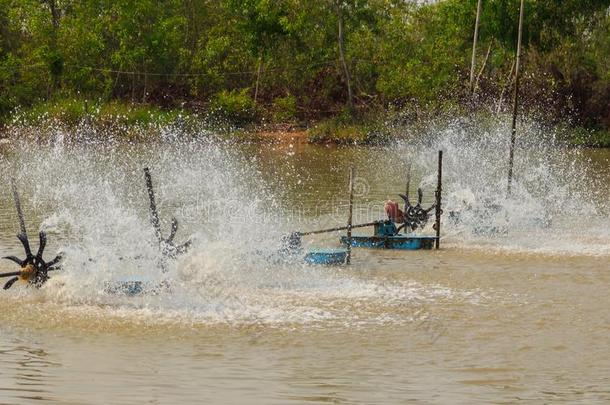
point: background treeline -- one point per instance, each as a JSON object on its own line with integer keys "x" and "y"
{"x": 302, "y": 59}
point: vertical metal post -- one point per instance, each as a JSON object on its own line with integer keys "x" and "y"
{"x": 513, "y": 133}
{"x": 439, "y": 190}
{"x": 474, "y": 47}
{"x": 408, "y": 186}
{"x": 350, "y": 216}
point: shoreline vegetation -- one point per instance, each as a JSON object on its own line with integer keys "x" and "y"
{"x": 138, "y": 122}
{"x": 343, "y": 72}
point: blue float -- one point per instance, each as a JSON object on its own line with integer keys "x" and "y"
{"x": 132, "y": 285}
{"x": 385, "y": 236}
{"x": 326, "y": 256}
{"x": 403, "y": 242}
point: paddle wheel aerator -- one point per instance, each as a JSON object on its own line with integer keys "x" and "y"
{"x": 34, "y": 269}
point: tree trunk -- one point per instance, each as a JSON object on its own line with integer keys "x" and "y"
{"x": 56, "y": 64}
{"x": 145, "y": 88}
{"x": 507, "y": 83}
{"x": 350, "y": 102}
{"x": 258, "y": 78}
{"x": 476, "y": 82}
{"x": 474, "y": 47}
{"x": 54, "y": 13}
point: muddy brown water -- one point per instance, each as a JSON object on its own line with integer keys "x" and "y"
{"x": 520, "y": 313}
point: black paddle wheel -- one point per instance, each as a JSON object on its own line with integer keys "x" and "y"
{"x": 34, "y": 269}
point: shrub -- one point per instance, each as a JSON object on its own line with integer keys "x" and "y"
{"x": 234, "y": 105}
{"x": 337, "y": 132}
{"x": 284, "y": 108}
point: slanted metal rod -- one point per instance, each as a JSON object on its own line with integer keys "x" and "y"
{"x": 408, "y": 181}
{"x": 18, "y": 207}
{"x": 339, "y": 228}
{"x": 18, "y": 273}
{"x": 154, "y": 214}
{"x": 12, "y": 274}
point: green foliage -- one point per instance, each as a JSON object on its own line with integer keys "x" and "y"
{"x": 75, "y": 111}
{"x": 424, "y": 54}
{"x": 345, "y": 130}
{"x": 284, "y": 108}
{"x": 336, "y": 132}
{"x": 601, "y": 139}
{"x": 235, "y": 105}
{"x": 583, "y": 137}
{"x": 130, "y": 114}
{"x": 70, "y": 111}
{"x": 208, "y": 55}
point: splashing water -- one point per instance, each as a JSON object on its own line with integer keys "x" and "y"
{"x": 93, "y": 204}
{"x": 92, "y": 201}
{"x": 558, "y": 205}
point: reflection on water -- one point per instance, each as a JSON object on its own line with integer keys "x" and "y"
{"x": 26, "y": 371}
{"x": 520, "y": 313}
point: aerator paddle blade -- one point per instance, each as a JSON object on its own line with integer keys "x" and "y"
{"x": 414, "y": 215}
{"x": 34, "y": 269}
{"x": 15, "y": 259}
{"x": 405, "y": 198}
{"x": 168, "y": 248}
{"x": 10, "y": 283}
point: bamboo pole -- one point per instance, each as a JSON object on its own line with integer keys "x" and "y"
{"x": 513, "y": 133}
{"x": 439, "y": 190}
{"x": 474, "y": 47}
{"x": 350, "y": 216}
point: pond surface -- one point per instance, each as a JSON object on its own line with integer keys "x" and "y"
{"x": 514, "y": 306}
